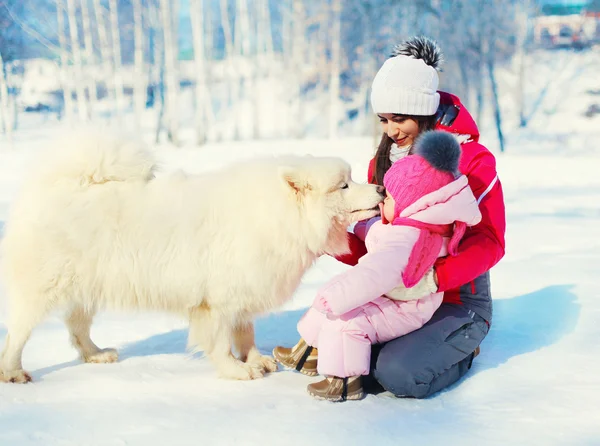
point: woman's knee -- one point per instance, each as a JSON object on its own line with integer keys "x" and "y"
{"x": 402, "y": 378}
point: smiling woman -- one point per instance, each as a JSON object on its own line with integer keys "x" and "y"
{"x": 419, "y": 363}
{"x": 399, "y": 133}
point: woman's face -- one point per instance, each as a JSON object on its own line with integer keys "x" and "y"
{"x": 400, "y": 129}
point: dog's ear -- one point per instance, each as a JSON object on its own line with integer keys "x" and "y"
{"x": 294, "y": 179}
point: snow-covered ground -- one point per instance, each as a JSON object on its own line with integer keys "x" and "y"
{"x": 536, "y": 381}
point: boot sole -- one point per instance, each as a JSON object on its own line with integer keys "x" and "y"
{"x": 293, "y": 367}
{"x": 339, "y": 399}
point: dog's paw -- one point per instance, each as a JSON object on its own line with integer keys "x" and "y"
{"x": 16, "y": 376}
{"x": 266, "y": 363}
{"x": 104, "y": 356}
{"x": 242, "y": 371}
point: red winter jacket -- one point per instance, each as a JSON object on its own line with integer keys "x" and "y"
{"x": 482, "y": 245}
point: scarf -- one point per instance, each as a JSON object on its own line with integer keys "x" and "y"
{"x": 427, "y": 248}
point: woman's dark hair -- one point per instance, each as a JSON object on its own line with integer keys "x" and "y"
{"x": 382, "y": 155}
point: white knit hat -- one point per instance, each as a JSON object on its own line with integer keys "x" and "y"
{"x": 407, "y": 82}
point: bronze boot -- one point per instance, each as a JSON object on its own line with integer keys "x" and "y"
{"x": 301, "y": 357}
{"x": 337, "y": 389}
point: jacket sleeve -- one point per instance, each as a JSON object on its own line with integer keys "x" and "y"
{"x": 377, "y": 273}
{"x": 357, "y": 250}
{"x": 361, "y": 229}
{"x": 483, "y": 245}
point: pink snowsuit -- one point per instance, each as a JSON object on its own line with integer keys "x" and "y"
{"x": 357, "y": 308}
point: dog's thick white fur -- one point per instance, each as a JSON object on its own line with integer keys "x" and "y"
{"x": 94, "y": 228}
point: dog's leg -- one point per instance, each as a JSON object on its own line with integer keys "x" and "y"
{"x": 79, "y": 321}
{"x": 212, "y": 332}
{"x": 22, "y": 320}
{"x": 243, "y": 340}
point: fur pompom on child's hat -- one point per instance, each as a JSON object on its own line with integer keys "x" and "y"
{"x": 433, "y": 165}
{"x": 407, "y": 82}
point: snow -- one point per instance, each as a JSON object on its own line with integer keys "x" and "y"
{"x": 536, "y": 381}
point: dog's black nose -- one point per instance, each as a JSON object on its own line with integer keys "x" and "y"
{"x": 381, "y": 190}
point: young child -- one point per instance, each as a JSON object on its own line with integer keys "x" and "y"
{"x": 427, "y": 209}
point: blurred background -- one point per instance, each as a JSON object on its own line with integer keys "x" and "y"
{"x": 191, "y": 72}
{"x": 206, "y": 83}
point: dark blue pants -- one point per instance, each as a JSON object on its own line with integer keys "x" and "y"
{"x": 427, "y": 360}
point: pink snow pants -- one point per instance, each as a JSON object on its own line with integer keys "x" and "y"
{"x": 344, "y": 342}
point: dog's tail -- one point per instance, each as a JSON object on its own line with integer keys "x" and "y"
{"x": 91, "y": 157}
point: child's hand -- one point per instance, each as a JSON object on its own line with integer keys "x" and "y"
{"x": 361, "y": 228}
{"x": 321, "y": 305}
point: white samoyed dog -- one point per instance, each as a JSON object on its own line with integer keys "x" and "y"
{"x": 94, "y": 228}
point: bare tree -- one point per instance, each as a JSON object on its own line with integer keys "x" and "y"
{"x": 490, "y": 47}
{"x": 117, "y": 60}
{"x": 157, "y": 57}
{"x": 335, "y": 63}
{"x": 197, "y": 19}
{"x": 4, "y": 102}
{"x": 171, "y": 79}
{"x": 522, "y": 16}
{"x": 64, "y": 62}
{"x": 246, "y": 74}
{"x": 298, "y": 64}
{"x": 264, "y": 39}
{"x": 140, "y": 83}
{"x": 89, "y": 57}
{"x": 106, "y": 53}
{"x": 230, "y": 84}
{"x": 82, "y": 108}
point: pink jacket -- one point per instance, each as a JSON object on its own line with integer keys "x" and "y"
{"x": 389, "y": 248}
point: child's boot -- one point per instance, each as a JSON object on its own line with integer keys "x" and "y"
{"x": 337, "y": 389}
{"x": 301, "y": 357}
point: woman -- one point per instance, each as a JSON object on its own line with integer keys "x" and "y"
{"x": 405, "y": 97}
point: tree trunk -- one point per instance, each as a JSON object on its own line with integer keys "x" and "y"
{"x": 264, "y": 54}
{"x": 334, "y": 79}
{"x": 231, "y": 95}
{"x": 490, "y": 51}
{"x": 64, "y": 63}
{"x": 497, "y": 111}
{"x": 171, "y": 79}
{"x": 117, "y": 61}
{"x": 264, "y": 37}
{"x": 139, "y": 92}
{"x": 522, "y": 24}
{"x": 107, "y": 57}
{"x": 90, "y": 60}
{"x": 464, "y": 77}
{"x": 246, "y": 80}
{"x": 479, "y": 70}
{"x": 158, "y": 62}
{"x": 197, "y": 19}
{"x": 298, "y": 64}
{"x": 82, "y": 108}
{"x": 4, "y": 102}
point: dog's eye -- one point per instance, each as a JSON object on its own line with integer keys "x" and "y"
{"x": 344, "y": 186}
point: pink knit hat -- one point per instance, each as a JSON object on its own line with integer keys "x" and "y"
{"x": 433, "y": 165}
